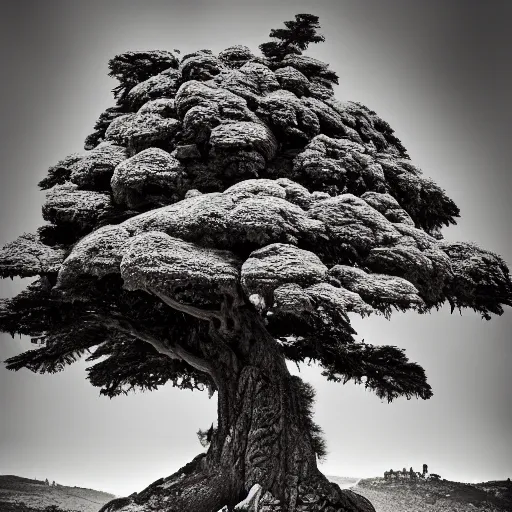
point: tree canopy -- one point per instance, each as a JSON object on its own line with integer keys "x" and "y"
{"x": 295, "y": 38}
{"x": 231, "y": 181}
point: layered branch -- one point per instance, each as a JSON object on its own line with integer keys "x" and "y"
{"x": 127, "y": 327}
{"x": 165, "y": 346}
{"x": 69, "y": 330}
{"x": 59, "y": 173}
{"x": 27, "y": 256}
{"x": 364, "y": 260}
{"x": 62, "y": 348}
{"x": 101, "y": 125}
{"x": 297, "y": 36}
{"x": 131, "y": 364}
{"x": 481, "y": 281}
{"x": 35, "y": 311}
{"x": 201, "y": 118}
{"x": 131, "y": 68}
{"x": 385, "y": 370}
{"x": 340, "y": 166}
{"x": 198, "y": 313}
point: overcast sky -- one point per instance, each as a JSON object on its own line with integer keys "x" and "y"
{"x": 439, "y": 72}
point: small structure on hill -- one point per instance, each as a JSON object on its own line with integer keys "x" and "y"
{"x": 411, "y": 474}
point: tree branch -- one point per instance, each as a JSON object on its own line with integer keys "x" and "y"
{"x": 196, "y": 362}
{"x": 122, "y": 324}
{"x": 201, "y": 314}
{"x": 162, "y": 346}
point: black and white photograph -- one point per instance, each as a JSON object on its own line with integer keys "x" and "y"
{"x": 255, "y": 256}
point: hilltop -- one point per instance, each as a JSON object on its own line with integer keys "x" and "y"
{"x": 18, "y": 494}
{"x": 441, "y": 496}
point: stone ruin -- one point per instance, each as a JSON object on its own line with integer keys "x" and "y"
{"x": 411, "y": 475}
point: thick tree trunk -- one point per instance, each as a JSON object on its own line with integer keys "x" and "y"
{"x": 262, "y": 435}
{"x": 262, "y": 441}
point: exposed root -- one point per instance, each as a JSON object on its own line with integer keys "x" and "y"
{"x": 322, "y": 497}
{"x": 251, "y": 503}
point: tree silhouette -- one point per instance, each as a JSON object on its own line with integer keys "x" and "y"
{"x": 295, "y": 38}
{"x": 228, "y": 214}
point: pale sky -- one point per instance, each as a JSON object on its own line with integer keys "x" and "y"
{"x": 439, "y": 72}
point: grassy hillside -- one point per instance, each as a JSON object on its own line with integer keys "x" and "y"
{"x": 442, "y": 496}
{"x": 19, "y": 494}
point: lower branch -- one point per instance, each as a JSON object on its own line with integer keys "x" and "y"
{"x": 195, "y": 361}
{"x": 162, "y": 346}
{"x": 201, "y": 314}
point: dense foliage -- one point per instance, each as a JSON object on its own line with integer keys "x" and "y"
{"x": 295, "y": 38}
{"x": 237, "y": 181}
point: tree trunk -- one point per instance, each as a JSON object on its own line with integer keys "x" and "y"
{"x": 262, "y": 442}
{"x": 262, "y": 436}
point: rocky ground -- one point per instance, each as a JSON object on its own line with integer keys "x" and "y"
{"x": 442, "y": 496}
{"x": 19, "y": 494}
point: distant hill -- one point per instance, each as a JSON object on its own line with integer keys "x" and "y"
{"x": 343, "y": 481}
{"x": 441, "y": 496}
{"x": 18, "y": 494}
